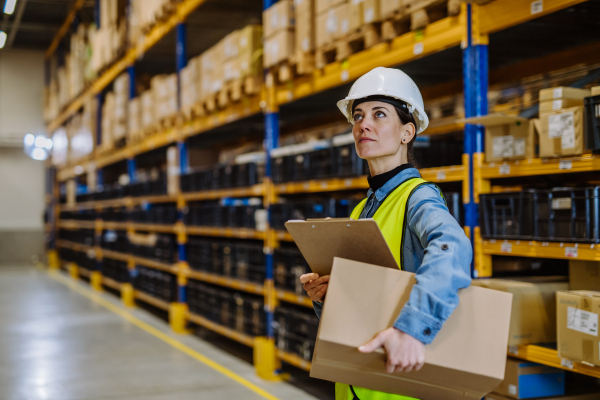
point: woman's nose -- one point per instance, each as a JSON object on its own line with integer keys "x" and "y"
{"x": 365, "y": 124}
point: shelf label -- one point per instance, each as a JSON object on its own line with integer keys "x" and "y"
{"x": 566, "y": 363}
{"x": 506, "y": 247}
{"x": 418, "y": 48}
{"x": 441, "y": 176}
{"x": 565, "y": 164}
{"x": 345, "y": 75}
{"x": 513, "y": 350}
{"x": 571, "y": 252}
{"x": 512, "y": 389}
{"x": 582, "y": 321}
{"x": 504, "y": 169}
{"x": 537, "y": 7}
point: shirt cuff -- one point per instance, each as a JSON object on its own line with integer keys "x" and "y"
{"x": 318, "y": 307}
{"x": 417, "y": 324}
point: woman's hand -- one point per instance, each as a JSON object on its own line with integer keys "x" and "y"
{"x": 404, "y": 352}
{"x": 315, "y": 287}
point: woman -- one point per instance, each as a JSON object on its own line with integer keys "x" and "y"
{"x": 386, "y": 109}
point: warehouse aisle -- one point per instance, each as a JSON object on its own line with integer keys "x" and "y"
{"x": 57, "y": 341}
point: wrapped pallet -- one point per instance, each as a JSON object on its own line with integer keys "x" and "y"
{"x": 279, "y": 32}
{"x": 212, "y": 73}
{"x": 108, "y": 110}
{"x": 189, "y": 87}
{"x": 134, "y": 120}
{"x": 333, "y": 23}
{"x": 250, "y": 50}
{"x": 121, "y": 89}
{"x": 148, "y": 117}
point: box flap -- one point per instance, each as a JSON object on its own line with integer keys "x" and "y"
{"x": 320, "y": 241}
{"x": 496, "y": 119}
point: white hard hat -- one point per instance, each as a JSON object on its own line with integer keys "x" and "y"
{"x": 387, "y": 82}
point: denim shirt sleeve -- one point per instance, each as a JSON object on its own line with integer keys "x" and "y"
{"x": 445, "y": 268}
{"x": 318, "y": 306}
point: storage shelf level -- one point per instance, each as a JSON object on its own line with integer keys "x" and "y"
{"x": 226, "y": 281}
{"x": 524, "y": 248}
{"x": 122, "y": 202}
{"x": 230, "y": 333}
{"x": 546, "y": 356}
{"x": 111, "y": 283}
{"x": 294, "y": 298}
{"x": 294, "y": 360}
{"x": 241, "y": 233}
{"x": 541, "y": 166}
{"x": 146, "y": 298}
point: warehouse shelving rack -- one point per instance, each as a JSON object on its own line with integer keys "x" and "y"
{"x": 470, "y": 30}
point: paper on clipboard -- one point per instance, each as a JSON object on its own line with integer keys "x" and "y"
{"x": 320, "y": 240}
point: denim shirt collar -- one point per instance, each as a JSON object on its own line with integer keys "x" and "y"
{"x": 390, "y": 185}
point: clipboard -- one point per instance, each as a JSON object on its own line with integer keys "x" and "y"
{"x": 320, "y": 240}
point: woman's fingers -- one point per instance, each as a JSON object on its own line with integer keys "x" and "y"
{"x": 308, "y": 277}
{"x": 313, "y": 284}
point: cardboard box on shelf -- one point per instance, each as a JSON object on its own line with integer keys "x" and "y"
{"x": 563, "y": 92}
{"x": 465, "y": 361}
{"x": 533, "y": 317}
{"x": 333, "y": 24}
{"x": 147, "y": 105}
{"x": 389, "y": 7}
{"x": 305, "y": 25}
{"x": 371, "y": 11}
{"x": 324, "y": 5}
{"x": 134, "y": 119}
{"x": 231, "y": 46}
{"x": 356, "y": 14}
{"x": 577, "y": 325}
{"x": 561, "y": 133}
{"x": 526, "y": 380}
{"x": 506, "y": 137}
{"x": 559, "y": 104}
{"x": 584, "y": 275}
{"x": 173, "y": 171}
{"x": 278, "y": 47}
{"x": 587, "y": 396}
{"x": 250, "y": 47}
{"x": 595, "y": 91}
{"x": 278, "y": 17}
{"x": 232, "y": 70}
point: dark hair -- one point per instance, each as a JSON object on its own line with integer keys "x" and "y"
{"x": 405, "y": 118}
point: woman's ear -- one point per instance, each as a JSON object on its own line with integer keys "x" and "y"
{"x": 408, "y": 132}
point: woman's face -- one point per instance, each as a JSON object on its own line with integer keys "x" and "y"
{"x": 378, "y": 131}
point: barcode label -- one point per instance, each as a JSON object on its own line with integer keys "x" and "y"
{"x": 504, "y": 169}
{"x": 506, "y": 248}
{"x": 512, "y": 389}
{"x": 571, "y": 252}
{"x": 565, "y": 164}
{"x": 345, "y": 75}
{"x": 513, "y": 350}
{"x": 566, "y": 363}
{"x": 441, "y": 176}
{"x": 537, "y": 7}
{"x": 582, "y": 321}
{"x": 418, "y": 48}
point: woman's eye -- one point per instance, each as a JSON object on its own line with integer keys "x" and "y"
{"x": 379, "y": 114}
{"x": 357, "y": 117}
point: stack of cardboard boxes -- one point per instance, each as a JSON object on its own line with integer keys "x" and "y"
{"x": 147, "y": 118}
{"x": 279, "y": 32}
{"x": 333, "y": 21}
{"x": 164, "y": 96}
{"x": 110, "y": 38}
{"x": 82, "y": 131}
{"x": 190, "y": 87}
{"x": 143, "y": 14}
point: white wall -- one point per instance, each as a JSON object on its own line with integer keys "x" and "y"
{"x": 21, "y": 178}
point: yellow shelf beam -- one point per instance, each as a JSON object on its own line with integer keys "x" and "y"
{"x": 123, "y": 202}
{"x": 139, "y": 227}
{"x": 146, "y": 298}
{"x": 283, "y": 236}
{"x": 74, "y": 246}
{"x": 230, "y": 333}
{"x": 75, "y": 224}
{"x": 294, "y": 298}
{"x": 524, "y": 248}
{"x": 183, "y": 10}
{"x": 111, "y": 283}
{"x": 543, "y": 355}
{"x": 241, "y": 233}
{"x": 256, "y": 190}
{"x": 541, "y": 166}
{"x": 294, "y": 360}
{"x": 226, "y": 281}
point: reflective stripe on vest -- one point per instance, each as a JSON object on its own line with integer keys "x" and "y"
{"x": 391, "y": 219}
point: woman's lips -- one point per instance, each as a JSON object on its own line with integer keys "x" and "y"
{"x": 365, "y": 139}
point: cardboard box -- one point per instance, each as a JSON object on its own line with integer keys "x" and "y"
{"x": 577, "y": 325}
{"x": 561, "y": 133}
{"x": 278, "y": 17}
{"x": 279, "y": 47}
{"x": 389, "y": 7}
{"x": 232, "y": 70}
{"x": 356, "y": 14}
{"x": 305, "y": 25}
{"x": 595, "y": 91}
{"x": 563, "y": 92}
{"x": 231, "y": 45}
{"x": 324, "y": 5}
{"x": 134, "y": 118}
{"x": 525, "y": 380}
{"x": 506, "y": 137}
{"x": 250, "y": 47}
{"x": 584, "y": 275}
{"x": 333, "y": 24}
{"x": 587, "y": 396}
{"x": 559, "y": 104}
{"x": 465, "y": 361}
{"x": 371, "y": 11}
{"x": 533, "y": 317}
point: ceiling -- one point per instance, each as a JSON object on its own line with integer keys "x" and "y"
{"x": 34, "y": 23}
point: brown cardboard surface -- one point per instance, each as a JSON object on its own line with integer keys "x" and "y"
{"x": 356, "y": 14}
{"x": 389, "y": 7}
{"x": 533, "y": 317}
{"x": 324, "y": 5}
{"x": 371, "y": 11}
{"x": 584, "y": 275}
{"x": 577, "y": 325}
{"x": 587, "y": 396}
{"x": 465, "y": 361}
{"x": 510, "y": 385}
{"x": 278, "y": 17}
{"x": 359, "y": 240}
{"x": 278, "y": 47}
{"x": 563, "y": 92}
{"x": 305, "y": 25}
{"x": 559, "y": 104}
{"x": 568, "y": 123}
{"x": 506, "y": 137}
{"x": 595, "y": 91}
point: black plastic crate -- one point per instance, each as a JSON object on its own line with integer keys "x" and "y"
{"x": 592, "y": 123}
{"x": 82, "y": 259}
{"x": 79, "y": 215}
{"x": 116, "y": 270}
{"x": 567, "y": 215}
{"x": 156, "y": 283}
{"x": 164, "y": 250}
{"x": 154, "y": 214}
{"x": 344, "y": 207}
{"x": 295, "y": 330}
{"x": 288, "y": 266}
{"x": 81, "y": 236}
{"x": 115, "y": 214}
{"x": 303, "y": 209}
{"x": 455, "y": 205}
{"x": 245, "y": 175}
{"x": 320, "y": 163}
{"x": 347, "y": 163}
{"x": 115, "y": 240}
{"x": 507, "y": 215}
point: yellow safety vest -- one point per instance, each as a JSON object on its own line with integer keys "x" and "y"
{"x": 391, "y": 219}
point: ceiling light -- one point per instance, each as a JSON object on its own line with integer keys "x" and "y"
{"x": 48, "y": 144}
{"x": 29, "y": 139}
{"x": 9, "y": 6}
{"x": 2, "y": 39}
{"x": 40, "y": 141}
{"x": 39, "y": 154}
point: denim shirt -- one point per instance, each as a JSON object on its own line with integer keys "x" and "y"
{"x": 436, "y": 249}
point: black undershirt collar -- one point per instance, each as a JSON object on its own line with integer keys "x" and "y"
{"x": 377, "y": 181}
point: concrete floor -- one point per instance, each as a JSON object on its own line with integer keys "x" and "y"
{"x": 57, "y": 344}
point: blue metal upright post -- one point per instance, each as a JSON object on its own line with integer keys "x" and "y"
{"x": 97, "y": 14}
{"x": 131, "y": 72}
{"x": 180, "y": 58}
{"x": 131, "y": 170}
{"x": 475, "y": 77}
